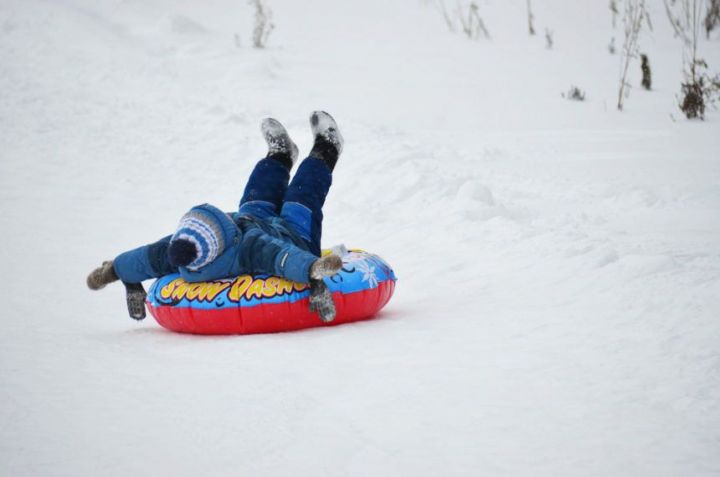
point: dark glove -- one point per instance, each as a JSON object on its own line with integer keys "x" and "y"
{"x": 135, "y": 297}
{"x": 321, "y": 301}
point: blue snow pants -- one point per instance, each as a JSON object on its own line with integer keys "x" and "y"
{"x": 268, "y": 196}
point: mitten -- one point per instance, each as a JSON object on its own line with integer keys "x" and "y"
{"x": 135, "y": 298}
{"x": 326, "y": 266}
{"x": 321, "y": 301}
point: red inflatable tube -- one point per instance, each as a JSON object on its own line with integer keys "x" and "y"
{"x": 261, "y": 304}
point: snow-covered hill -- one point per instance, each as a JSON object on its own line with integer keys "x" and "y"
{"x": 557, "y": 309}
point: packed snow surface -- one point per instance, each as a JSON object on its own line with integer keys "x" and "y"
{"x": 558, "y": 304}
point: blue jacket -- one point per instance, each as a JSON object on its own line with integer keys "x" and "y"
{"x": 255, "y": 246}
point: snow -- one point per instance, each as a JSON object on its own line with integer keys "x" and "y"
{"x": 559, "y": 275}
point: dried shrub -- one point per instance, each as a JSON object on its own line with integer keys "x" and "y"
{"x": 472, "y": 23}
{"x": 635, "y": 18}
{"x": 693, "y": 104}
{"x": 467, "y": 15}
{"x": 712, "y": 17}
{"x": 699, "y": 92}
{"x": 614, "y": 12}
{"x": 646, "y": 73}
{"x": 263, "y": 23}
{"x": 549, "y": 42}
{"x": 574, "y": 94}
{"x": 531, "y": 17}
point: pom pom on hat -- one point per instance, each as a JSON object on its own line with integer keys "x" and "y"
{"x": 199, "y": 238}
{"x": 181, "y": 252}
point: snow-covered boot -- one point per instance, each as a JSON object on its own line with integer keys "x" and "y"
{"x": 280, "y": 146}
{"x": 135, "y": 298}
{"x": 101, "y": 276}
{"x": 328, "y": 140}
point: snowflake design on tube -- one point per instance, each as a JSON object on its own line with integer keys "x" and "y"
{"x": 368, "y": 272}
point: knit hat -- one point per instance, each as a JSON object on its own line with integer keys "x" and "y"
{"x": 202, "y": 235}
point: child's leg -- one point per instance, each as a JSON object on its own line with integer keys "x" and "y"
{"x": 268, "y": 182}
{"x": 265, "y": 189}
{"x": 304, "y": 199}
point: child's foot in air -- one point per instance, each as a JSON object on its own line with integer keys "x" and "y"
{"x": 280, "y": 146}
{"x": 328, "y": 140}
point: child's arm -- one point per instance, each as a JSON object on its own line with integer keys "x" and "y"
{"x": 132, "y": 267}
{"x": 262, "y": 253}
{"x": 143, "y": 263}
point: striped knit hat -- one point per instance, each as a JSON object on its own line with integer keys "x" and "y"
{"x": 201, "y": 236}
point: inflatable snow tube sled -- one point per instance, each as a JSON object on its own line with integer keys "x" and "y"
{"x": 265, "y": 304}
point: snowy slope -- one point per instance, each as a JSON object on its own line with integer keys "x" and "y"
{"x": 557, "y": 309}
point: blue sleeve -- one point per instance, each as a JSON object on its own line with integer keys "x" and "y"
{"x": 143, "y": 263}
{"x": 262, "y": 253}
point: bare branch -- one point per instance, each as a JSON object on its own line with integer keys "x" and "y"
{"x": 263, "y": 23}
{"x": 635, "y": 16}
{"x": 531, "y": 29}
{"x": 440, "y": 4}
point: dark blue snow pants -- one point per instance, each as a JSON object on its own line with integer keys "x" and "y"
{"x": 268, "y": 197}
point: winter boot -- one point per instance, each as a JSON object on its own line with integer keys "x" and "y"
{"x": 101, "y": 276}
{"x": 280, "y": 146}
{"x": 328, "y": 140}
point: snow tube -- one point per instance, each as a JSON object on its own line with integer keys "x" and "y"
{"x": 266, "y": 304}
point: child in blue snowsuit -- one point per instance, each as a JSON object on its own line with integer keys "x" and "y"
{"x": 276, "y": 230}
